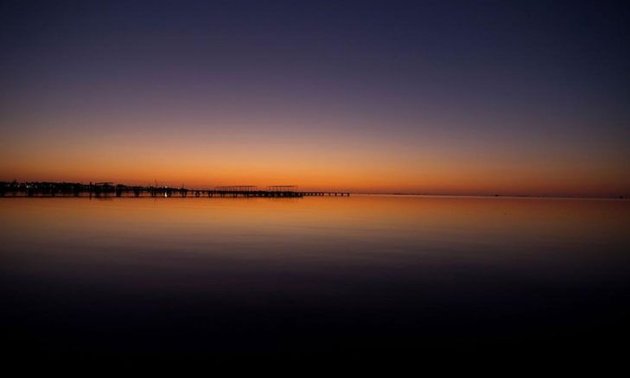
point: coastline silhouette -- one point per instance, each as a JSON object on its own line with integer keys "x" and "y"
{"x": 107, "y": 189}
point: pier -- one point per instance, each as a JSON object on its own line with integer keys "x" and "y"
{"x": 109, "y": 189}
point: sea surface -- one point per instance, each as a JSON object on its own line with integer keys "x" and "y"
{"x": 352, "y": 277}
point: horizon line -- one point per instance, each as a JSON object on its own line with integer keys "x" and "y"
{"x": 359, "y": 192}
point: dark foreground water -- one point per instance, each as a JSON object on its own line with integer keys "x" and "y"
{"x": 346, "y": 277}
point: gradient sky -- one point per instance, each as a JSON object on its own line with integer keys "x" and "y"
{"x": 527, "y": 97}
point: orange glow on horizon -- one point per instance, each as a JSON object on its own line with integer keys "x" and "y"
{"x": 370, "y": 163}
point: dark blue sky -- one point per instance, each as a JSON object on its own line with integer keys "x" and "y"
{"x": 459, "y": 78}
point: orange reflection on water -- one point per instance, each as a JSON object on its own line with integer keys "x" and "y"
{"x": 201, "y": 270}
{"x": 395, "y": 218}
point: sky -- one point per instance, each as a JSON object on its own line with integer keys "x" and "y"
{"x": 439, "y": 97}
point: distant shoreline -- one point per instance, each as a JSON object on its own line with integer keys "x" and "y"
{"x": 50, "y": 188}
{"x": 109, "y": 189}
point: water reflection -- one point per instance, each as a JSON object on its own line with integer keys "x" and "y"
{"x": 314, "y": 275}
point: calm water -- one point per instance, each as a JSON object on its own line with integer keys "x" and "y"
{"x": 333, "y": 276}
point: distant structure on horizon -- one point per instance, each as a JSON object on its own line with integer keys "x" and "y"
{"x": 109, "y": 189}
